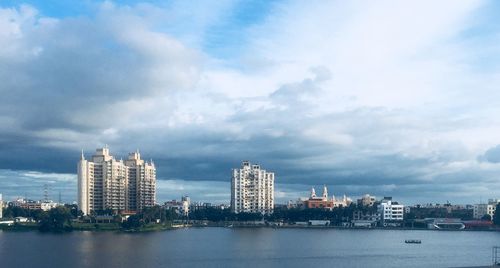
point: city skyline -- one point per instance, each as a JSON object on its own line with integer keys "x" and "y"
{"x": 395, "y": 99}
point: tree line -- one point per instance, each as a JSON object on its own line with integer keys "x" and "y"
{"x": 61, "y": 218}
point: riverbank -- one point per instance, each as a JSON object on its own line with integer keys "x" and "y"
{"x": 157, "y": 227}
{"x": 93, "y": 227}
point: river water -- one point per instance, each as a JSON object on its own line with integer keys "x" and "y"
{"x": 248, "y": 247}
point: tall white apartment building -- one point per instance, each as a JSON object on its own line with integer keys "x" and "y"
{"x": 1, "y": 206}
{"x": 107, "y": 183}
{"x": 252, "y": 189}
{"x": 390, "y": 211}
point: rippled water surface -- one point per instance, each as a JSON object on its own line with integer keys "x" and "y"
{"x": 248, "y": 247}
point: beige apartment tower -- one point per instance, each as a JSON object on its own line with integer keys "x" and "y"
{"x": 107, "y": 183}
{"x": 252, "y": 189}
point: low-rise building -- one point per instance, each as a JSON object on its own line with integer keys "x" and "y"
{"x": 391, "y": 213}
{"x": 480, "y": 210}
{"x": 370, "y": 215}
{"x": 324, "y": 202}
{"x": 44, "y": 205}
{"x": 47, "y": 205}
{"x": 447, "y": 210}
{"x": 299, "y": 203}
{"x": 181, "y": 207}
{"x": 363, "y": 224}
{"x": 26, "y": 204}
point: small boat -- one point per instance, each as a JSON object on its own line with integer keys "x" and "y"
{"x": 413, "y": 241}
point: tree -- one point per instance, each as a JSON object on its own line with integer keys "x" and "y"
{"x": 496, "y": 216}
{"x": 486, "y": 217}
{"x": 133, "y": 222}
{"x": 56, "y": 219}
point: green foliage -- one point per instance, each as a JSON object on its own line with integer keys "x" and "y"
{"x": 12, "y": 212}
{"x": 133, "y": 222}
{"x": 335, "y": 216}
{"x": 75, "y": 212}
{"x": 211, "y": 214}
{"x": 57, "y": 219}
{"x": 486, "y": 217}
{"x": 496, "y": 216}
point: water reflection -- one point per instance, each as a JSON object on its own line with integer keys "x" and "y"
{"x": 218, "y": 247}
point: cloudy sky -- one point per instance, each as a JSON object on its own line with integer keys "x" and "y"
{"x": 390, "y": 98}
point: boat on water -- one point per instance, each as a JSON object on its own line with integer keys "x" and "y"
{"x": 413, "y": 241}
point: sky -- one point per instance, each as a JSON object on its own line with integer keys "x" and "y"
{"x": 388, "y": 98}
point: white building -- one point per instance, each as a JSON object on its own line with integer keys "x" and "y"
{"x": 107, "y": 183}
{"x": 180, "y": 207}
{"x": 47, "y": 205}
{"x": 1, "y": 206}
{"x": 480, "y": 210}
{"x": 186, "y": 203}
{"x": 252, "y": 189}
{"x": 390, "y": 211}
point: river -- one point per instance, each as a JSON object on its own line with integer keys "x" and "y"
{"x": 248, "y": 247}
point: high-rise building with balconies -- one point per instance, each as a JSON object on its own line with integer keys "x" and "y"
{"x": 107, "y": 183}
{"x": 252, "y": 189}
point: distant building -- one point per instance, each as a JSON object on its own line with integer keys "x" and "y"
{"x": 324, "y": 202}
{"x": 186, "y": 204}
{"x": 447, "y": 210}
{"x": 252, "y": 189}
{"x": 180, "y": 207}
{"x": 47, "y": 205}
{"x": 367, "y": 201}
{"x": 485, "y": 209}
{"x": 26, "y": 204}
{"x": 107, "y": 183}
{"x": 299, "y": 203}
{"x": 362, "y": 215}
{"x": 1, "y": 206}
{"x": 44, "y": 205}
{"x": 390, "y": 211}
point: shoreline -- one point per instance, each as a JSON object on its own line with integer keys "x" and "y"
{"x": 163, "y": 227}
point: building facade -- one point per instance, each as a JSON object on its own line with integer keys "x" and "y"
{"x": 252, "y": 189}
{"x": 390, "y": 211}
{"x": 182, "y": 207}
{"x": 485, "y": 209}
{"x": 106, "y": 183}
{"x": 324, "y": 202}
{"x": 1, "y": 206}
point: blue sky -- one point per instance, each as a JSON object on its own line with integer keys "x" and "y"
{"x": 393, "y": 99}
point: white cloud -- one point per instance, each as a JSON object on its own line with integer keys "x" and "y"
{"x": 340, "y": 91}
